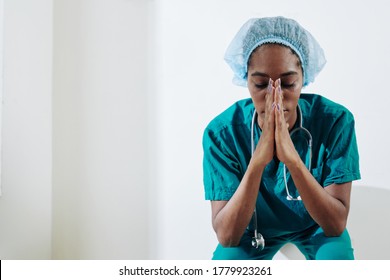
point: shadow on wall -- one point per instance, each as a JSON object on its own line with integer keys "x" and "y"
{"x": 368, "y": 225}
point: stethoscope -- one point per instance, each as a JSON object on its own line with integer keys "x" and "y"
{"x": 258, "y": 241}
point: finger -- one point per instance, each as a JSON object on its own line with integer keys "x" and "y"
{"x": 278, "y": 95}
{"x": 277, "y": 102}
{"x": 269, "y": 110}
{"x": 269, "y": 99}
{"x": 269, "y": 96}
{"x": 278, "y": 116}
{"x": 268, "y": 104}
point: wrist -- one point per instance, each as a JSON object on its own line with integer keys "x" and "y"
{"x": 294, "y": 163}
{"x": 257, "y": 164}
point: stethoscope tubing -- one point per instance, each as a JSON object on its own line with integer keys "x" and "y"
{"x": 258, "y": 240}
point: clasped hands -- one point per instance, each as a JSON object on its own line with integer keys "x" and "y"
{"x": 275, "y": 139}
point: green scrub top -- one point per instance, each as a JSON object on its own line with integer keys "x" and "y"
{"x": 227, "y": 152}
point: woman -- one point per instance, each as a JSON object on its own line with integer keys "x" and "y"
{"x": 299, "y": 184}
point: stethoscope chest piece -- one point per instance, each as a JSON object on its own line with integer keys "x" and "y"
{"x": 258, "y": 241}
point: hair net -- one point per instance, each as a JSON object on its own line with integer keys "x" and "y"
{"x": 258, "y": 31}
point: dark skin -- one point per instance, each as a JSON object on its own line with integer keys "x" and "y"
{"x": 275, "y": 81}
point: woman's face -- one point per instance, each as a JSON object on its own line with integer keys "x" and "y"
{"x": 275, "y": 62}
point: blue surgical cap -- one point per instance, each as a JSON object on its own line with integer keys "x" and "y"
{"x": 278, "y": 30}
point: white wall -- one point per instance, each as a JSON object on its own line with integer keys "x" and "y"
{"x": 100, "y": 130}
{"x": 75, "y": 130}
{"x": 195, "y": 85}
{"x": 25, "y": 204}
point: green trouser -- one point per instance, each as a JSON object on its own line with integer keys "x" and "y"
{"x": 313, "y": 244}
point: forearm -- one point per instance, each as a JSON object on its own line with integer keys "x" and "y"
{"x": 231, "y": 221}
{"x": 329, "y": 212}
{"x": 231, "y": 218}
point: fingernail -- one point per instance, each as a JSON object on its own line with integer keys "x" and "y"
{"x": 279, "y": 89}
{"x": 269, "y": 89}
{"x": 278, "y": 107}
{"x": 273, "y": 105}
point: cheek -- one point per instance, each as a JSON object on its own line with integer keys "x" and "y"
{"x": 258, "y": 99}
{"x": 258, "y": 96}
{"x": 291, "y": 95}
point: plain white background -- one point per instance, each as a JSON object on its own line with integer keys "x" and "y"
{"x": 104, "y": 106}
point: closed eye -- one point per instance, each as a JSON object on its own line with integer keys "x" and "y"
{"x": 261, "y": 86}
{"x": 288, "y": 85}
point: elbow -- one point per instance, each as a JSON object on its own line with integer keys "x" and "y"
{"x": 229, "y": 243}
{"x": 335, "y": 230}
{"x": 228, "y": 240}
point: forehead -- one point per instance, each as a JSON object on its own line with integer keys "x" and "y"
{"x": 274, "y": 59}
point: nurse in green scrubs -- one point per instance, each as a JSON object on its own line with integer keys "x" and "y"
{"x": 275, "y": 58}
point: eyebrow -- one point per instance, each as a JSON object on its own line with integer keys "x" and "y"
{"x": 282, "y": 75}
